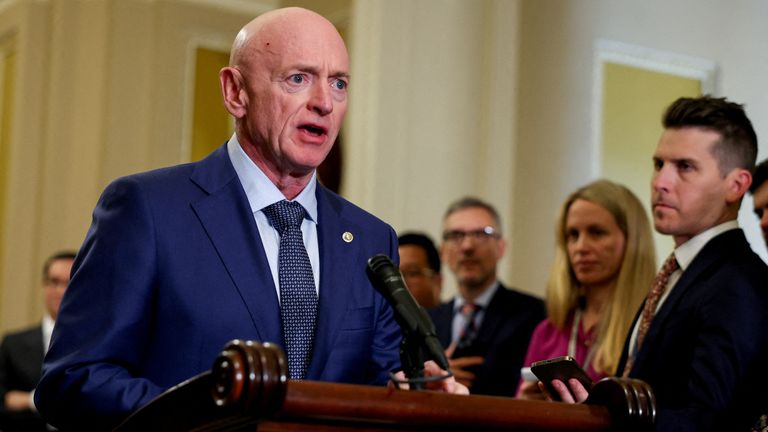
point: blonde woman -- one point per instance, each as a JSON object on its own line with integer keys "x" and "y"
{"x": 604, "y": 267}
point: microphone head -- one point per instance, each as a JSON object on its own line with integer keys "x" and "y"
{"x": 379, "y": 263}
{"x": 382, "y": 271}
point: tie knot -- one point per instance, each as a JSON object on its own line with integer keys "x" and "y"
{"x": 670, "y": 265}
{"x": 469, "y": 309}
{"x": 285, "y": 214}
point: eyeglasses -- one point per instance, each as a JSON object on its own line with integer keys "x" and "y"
{"x": 56, "y": 282}
{"x": 481, "y": 235}
{"x": 412, "y": 273}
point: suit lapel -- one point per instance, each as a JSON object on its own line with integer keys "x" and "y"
{"x": 337, "y": 259}
{"x": 443, "y": 316}
{"x": 228, "y": 221}
{"x": 705, "y": 260}
{"x": 494, "y": 316}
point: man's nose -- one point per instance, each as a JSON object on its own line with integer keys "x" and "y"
{"x": 661, "y": 179}
{"x": 320, "y": 100}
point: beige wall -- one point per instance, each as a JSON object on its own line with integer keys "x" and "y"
{"x": 433, "y": 108}
{"x": 449, "y": 97}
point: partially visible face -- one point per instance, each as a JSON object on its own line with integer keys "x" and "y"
{"x": 55, "y": 283}
{"x": 594, "y": 242}
{"x": 760, "y": 198}
{"x": 296, "y": 79}
{"x": 472, "y": 258}
{"x": 422, "y": 281}
{"x": 689, "y": 194}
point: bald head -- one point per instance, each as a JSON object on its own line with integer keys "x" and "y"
{"x": 271, "y": 31}
{"x": 286, "y": 86}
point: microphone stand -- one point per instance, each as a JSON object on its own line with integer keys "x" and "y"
{"x": 412, "y": 360}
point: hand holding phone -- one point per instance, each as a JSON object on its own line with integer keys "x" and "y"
{"x": 560, "y": 368}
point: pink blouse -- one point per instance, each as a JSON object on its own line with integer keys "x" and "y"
{"x": 548, "y": 341}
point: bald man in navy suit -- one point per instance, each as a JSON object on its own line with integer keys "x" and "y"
{"x": 180, "y": 260}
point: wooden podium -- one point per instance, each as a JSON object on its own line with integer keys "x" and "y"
{"x": 247, "y": 390}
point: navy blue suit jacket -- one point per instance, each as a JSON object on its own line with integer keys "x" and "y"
{"x": 705, "y": 352}
{"x": 502, "y": 339}
{"x": 173, "y": 267}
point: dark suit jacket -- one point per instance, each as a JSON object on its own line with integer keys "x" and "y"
{"x": 502, "y": 339}
{"x": 705, "y": 351}
{"x": 173, "y": 267}
{"x": 21, "y": 357}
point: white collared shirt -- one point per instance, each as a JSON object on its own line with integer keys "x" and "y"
{"x": 261, "y": 193}
{"x": 47, "y": 326}
{"x": 460, "y": 321}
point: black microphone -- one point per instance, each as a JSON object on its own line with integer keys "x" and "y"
{"x": 413, "y": 320}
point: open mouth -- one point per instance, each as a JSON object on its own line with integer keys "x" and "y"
{"x": 313, "y": 130}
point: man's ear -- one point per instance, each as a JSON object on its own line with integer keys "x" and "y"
{"x": 233, "y": 91}
{"x": 738, "y": 182}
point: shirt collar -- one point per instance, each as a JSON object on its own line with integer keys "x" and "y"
{"x": 47, "y": 323}
{"x": 483, "y": 300}
{"x": 259, "y": 190}
{"x": 686, "y": 252}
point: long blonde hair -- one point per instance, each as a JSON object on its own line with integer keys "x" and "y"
{"x": 635, "y": 276}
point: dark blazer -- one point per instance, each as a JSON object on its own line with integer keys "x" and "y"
{"x": 705, "y": 352}
{"x": 173, "y": 267}
{"x": 21, "y": 357}
{"x": 502, "y": 339}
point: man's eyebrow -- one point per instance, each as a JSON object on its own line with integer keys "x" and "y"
{"x": 315, "y": 71}
{"x": 340, "y": 75}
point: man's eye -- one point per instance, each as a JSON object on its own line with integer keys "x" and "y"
{"x": 340, "y": 84}
{"x": 297, "y": 78}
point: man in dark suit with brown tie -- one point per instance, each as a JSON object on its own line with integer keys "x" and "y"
{"x": 706, "y": 345}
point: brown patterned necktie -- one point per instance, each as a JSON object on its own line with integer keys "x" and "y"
{"x": 649, "y": 309}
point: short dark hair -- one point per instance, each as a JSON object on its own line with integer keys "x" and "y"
{"x": 65, "y": 254}
{"x": 423, "y": 241}
{"x": 760, "y": 176}
{"x": 737, "y": 146}
{"x": 473, "y": 202}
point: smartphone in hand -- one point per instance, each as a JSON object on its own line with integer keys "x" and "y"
{"x": 560, "y": 368}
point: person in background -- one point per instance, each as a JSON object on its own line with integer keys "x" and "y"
{"x": 22, "y": 352}
{"x": 420, "y": 266}
{"x": 699, "y": 340}
{"x": 487, "y": 326}
{"x": 604, "y": 264}
{"x": 759, "y": 190}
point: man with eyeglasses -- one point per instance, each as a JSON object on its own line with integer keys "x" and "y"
{"x": 487, "y": 326}
{"x": 420, "y": 266}
{"x": 21, "y": 353}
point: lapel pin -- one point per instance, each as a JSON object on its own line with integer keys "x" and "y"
{"x": 347, "y": 237}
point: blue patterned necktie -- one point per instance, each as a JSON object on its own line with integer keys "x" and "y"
{"x": 298, "y": 297}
